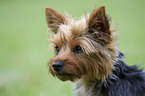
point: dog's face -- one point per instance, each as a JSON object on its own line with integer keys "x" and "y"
{"x": 82, "y": 48}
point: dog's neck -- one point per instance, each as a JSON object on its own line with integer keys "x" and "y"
{"x": 85, "y": 87}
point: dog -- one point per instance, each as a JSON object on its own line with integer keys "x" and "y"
{"x": 86, "y": 54}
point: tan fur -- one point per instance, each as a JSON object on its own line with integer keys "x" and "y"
{"x": 96, "y": 61}
{"x": 54, "y": 18}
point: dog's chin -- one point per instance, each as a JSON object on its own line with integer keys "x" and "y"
{"x": 67, "y": 77}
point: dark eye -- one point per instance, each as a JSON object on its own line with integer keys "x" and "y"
{"x": 78, "y": 49}
{"x": 57, "y": 49}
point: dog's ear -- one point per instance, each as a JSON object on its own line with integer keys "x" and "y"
{"x": 54, "y": 19}
{"x": 99, "y": 25}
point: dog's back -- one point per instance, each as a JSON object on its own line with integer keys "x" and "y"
{"x": 125, "y": 80}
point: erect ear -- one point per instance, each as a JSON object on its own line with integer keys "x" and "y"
{"x": 54, "y": 19}
{"x": 99, "y": 25}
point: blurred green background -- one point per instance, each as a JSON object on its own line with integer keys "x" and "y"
{"x": 24, "y": 49}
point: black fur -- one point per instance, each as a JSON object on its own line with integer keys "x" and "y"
{"x": 125, "y": 80}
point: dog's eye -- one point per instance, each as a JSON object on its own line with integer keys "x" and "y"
{"x": 78, "y": 49}
{"x": 57, "y": 49}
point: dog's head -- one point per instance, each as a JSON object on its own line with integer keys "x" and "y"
{"x": 83, "y": 48}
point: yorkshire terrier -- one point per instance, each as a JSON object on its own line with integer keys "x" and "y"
{"x": 86, "y": 54}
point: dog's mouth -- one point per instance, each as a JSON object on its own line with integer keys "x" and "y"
{"x": 60, "y": 74}
{"x": 66, "y": 77}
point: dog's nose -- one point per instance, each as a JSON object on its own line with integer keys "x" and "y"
{"x": 57, "y": 66}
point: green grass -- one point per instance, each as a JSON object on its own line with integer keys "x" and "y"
{"x": 24, "y": 47}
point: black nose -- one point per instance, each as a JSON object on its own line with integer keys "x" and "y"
{"x": 57, "y": 66}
